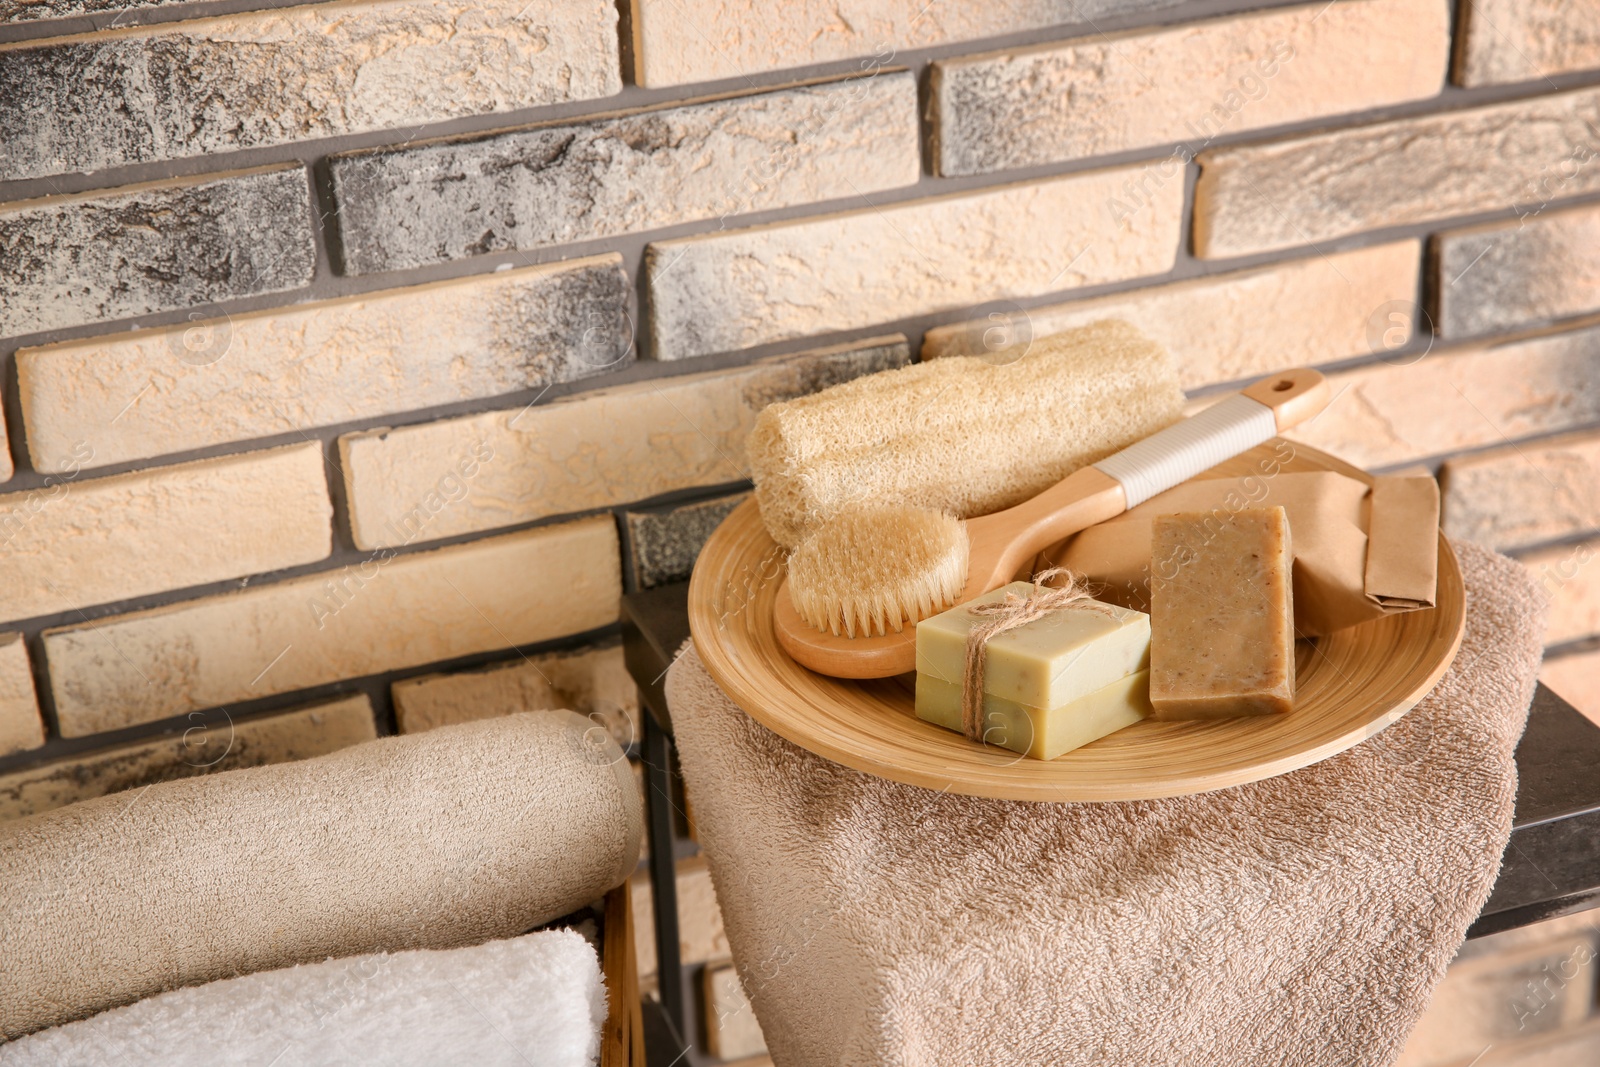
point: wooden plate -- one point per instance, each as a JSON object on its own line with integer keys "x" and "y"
{"x": 1350, "y": 685}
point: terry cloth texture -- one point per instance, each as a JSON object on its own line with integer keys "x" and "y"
{"x": 960, "y": 434}
{"x": 1301, "y": 920}
{"x": 433, "y": 840}
{"x": 534, "y": 1001}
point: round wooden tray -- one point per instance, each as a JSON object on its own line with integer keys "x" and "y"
{"x": 1349, "y": 686}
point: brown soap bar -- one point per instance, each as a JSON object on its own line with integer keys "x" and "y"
{"x": 1221, "y": 614}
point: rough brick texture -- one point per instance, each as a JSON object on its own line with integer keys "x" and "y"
{"x": 575, "y": 182}
{"x": 679, "y": 41}
{"x": 1318, "y": 187}
{"x": 592, "y": 682}
{"x": 1231, "y": 326}
{"x": 1521, "y": 40}
{"x": 124, "y": 252}
{"x": 1388, "y": 414}
{"x": 598, "y": 449}
{"x": 386, "y": 613}
{"x": 20, "y": 725}
{"x": 1497, "y": 277}
{"x": 728, "y": 291}
{"x": 153, "y": 392}
{"x": 31, "y": 10}
{"x": 79, "y": 542}
{"x": 216, "y": 744}
{"x": 1099, "y": 95}
{"x": 262, "y": 78}
{"x": 1524, "y": 494}
{"x": 1569, "y": 575}
{"x": 664, "y": 543}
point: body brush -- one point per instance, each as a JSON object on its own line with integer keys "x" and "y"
{"x": 858, "y": 584}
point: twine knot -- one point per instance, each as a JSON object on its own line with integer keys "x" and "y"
{"x": 1008, "y": 614}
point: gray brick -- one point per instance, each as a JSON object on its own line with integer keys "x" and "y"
{"x": 1188, "y": 83}
{"x": 36, "y": 10}
{"x": 1323, "y": 186}
{"x": 1525, "y": 494}
{"x": 665, "y": 542}
{"x": 555, "y": 184}
{"x": 180, "y": 89}
{"x": 1521, "y": 40}
{"x": 123, "y": 252}
{"x": 1536, "y": 268}
{"x": 672, "y": 46}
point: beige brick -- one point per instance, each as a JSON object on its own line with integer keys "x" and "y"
{"x": 206, "y": 382}
{"x": 1503, "y": 998}
{"x": 726, "y": 291}
{"x": 732, "y": 1032}
{"x": 177, "y": 89}
{"x": 1522, "y": 40}
{"x": 701, "y": 938}
{"x": 1569, "y": 575}
{"x": 7, "y": 469}
{"x": 679, "y": 41}
{"x": 592, "y": 682}
{"x": 20, "y": 725}
{"x": 388, "y": 612}
{"x": 595, "y": 450}
{"x": 217, "y": 744}
{"x": 1526, "y": 494}
{"x": 1577, "y": 679}
{"x": 1321, "y": 186}
{"x": 1225, "y": 327}
{"x": 1100, "y": 94}
{"x": 1391, "y": 413}
{"x": 77, "y": 542}
{"x": 1536, "y": 268}
{"x": 565, "y": 182}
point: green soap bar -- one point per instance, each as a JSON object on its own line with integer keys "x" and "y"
{"x": 1046, "y": 663}
{"x": 1038, "y": 732}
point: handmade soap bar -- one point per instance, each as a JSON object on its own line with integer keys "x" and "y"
{"x": 1047, "y": 663}
{"x": 1042, "y": 733}
{"x": 1221, "y": 614}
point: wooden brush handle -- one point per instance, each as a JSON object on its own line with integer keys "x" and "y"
{"x": 1005, "y": 541}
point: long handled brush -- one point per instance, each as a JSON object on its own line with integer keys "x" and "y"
{"x": 855, "y": 584}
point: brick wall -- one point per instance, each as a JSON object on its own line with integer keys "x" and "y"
{"x": 356, "y": 356}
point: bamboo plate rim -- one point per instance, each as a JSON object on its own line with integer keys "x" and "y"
{"x": 1352, "y": 685}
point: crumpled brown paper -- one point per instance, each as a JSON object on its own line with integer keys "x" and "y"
{"x": 1360, "y": 552}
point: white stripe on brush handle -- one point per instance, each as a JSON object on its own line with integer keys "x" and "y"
{"x": 1178, "y": 453}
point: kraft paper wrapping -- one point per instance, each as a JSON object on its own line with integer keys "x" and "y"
{"x": 1360, "y": 552}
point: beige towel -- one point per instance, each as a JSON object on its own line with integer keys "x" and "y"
{"x": 433, "y": 840}
{"x": 1300, "y": 920}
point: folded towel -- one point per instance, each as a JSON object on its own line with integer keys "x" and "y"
{"x": 534, "y": 1001}
{"x": 439, "y": 839}
{"x": 1299, "y": 920}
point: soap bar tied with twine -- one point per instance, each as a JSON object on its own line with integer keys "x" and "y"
{"x": 1008, "y": 614}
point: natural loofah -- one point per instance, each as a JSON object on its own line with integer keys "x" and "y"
{"x": 960, "y": 435}
{"x": 875, "y": 569}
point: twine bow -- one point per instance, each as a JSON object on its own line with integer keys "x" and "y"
{"x": 1008, "y": 614}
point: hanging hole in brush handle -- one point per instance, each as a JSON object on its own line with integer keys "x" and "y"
{"x": 1220, "y": 432}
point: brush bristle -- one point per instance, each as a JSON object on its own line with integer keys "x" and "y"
{"x": 871, "y": 570}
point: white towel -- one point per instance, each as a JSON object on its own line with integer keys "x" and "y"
{"x": 532, "y": 1001}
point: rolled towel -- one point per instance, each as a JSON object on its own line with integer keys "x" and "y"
{"x": 534, "y": 1001}
{"x": 433, "y": 840}
{"x": 960, "y": 435}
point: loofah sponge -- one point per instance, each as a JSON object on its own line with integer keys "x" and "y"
{"x": 960, "y": 435}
